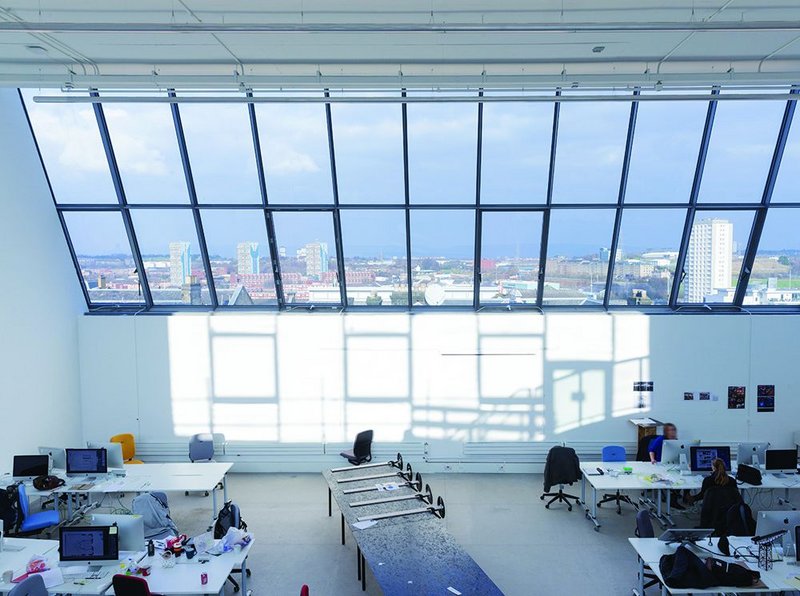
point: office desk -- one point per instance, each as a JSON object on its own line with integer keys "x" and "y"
{"x": 16, "y": 560}
{"x": 650, "y": 550}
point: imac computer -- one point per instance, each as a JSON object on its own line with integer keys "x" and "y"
{"x": 782, "y": 461}
{"x": 702, "y": 457}
{"x": 82, "y": 462}
{"x": 674, "y": 452}
{"x": 88, "y": 545}
{"x": 129, "y": 527}
{"x": 30, "y": 466}
{"x": 751, "y": 454}
{"x": 113, "y": 454}
{"x": 57, "y": 455}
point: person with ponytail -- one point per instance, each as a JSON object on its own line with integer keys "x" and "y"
{"x": 718, "y": 493}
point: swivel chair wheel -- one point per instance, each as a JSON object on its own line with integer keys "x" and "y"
{"x": 547, "y": 506}
{"x": 186, "y": 493}
{"x": 206, "y": 493}
{"x": 542, "y": 497}
{"x": 599, "y": 504}
{"x": 569, "y": 507}
{"x": 248, "y": 572}
{"x": 235, "y": 589}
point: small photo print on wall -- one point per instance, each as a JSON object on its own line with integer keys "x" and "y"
{"x": 736, "y": 398}
{"x": 688, "y": 396}
{"x": 704, "y": 396}
{"x": 766, "y": 398}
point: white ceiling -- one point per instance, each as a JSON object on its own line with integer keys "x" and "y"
{"x": 381, "y": 42}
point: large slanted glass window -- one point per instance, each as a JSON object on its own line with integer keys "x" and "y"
{"x": 666, "y": 143}
{"x": 787, "y": 184}
{"x": 590, "y": 150}
{"x": 108, "y": 270}
{"x": 647, "y": 252}
{"x": 740, "y": 151}
{"x": 714, "y": 257}
{"x": 307, "y": 253}
{"x": 146, "y": 149}
{"x": 375, "y": 265}
{"x": 578, "y": 252}
{"x": 442, "y": 257}
{"x": 368, "y": 141}
{"x": 219, "y": 142}
{"x": 515, "y": 152}
{"x": 71, "y": 148}
{"x": 171, "y": 253}
{"x": 294, "y": 147}
{"x": 510, "y": 247}
{"x": 775, "y": 277}
{"x": 239, "y": 255}
{"x": 442, "y": 152}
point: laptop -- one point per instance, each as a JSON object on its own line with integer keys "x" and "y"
{"x": 58, "y": 458}
{"x": 30, "y": 466}
{"x": 86, "y": 462}
{"x": 88, "y": 545}
{"x": 130, "y": 529}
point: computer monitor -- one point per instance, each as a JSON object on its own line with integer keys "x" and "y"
{"x": 30, "y": 466}
{"x": 113, "y": 453}
{"x": 751, "y": 454}
{"x": 88, "y": 544}
{"x": 672, "y": 450}
{"x": 782, "y": 460}
{"x": 130, "y": 529}
{"x": 702, "y": 457}
{"x": 57, "y": 455}
{"x": 86, "y": 461}
{"x": 768, "y": 522}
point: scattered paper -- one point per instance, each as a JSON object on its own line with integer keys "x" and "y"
{"x": 453, "y": 590}
{"x": 363, "y": 525}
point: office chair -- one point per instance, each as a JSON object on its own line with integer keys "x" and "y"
{"x": 33, "y": 585}
{"x": 304, "y": 591}
{"x": 362, "y": 449}
{"x": 128, "y": 447}
{"x": 34, "y": 522}
{"x": 615, "y": 453}
{"x": 562, "y": 467}
{"x": 201, "y": 449}
{"x": 644, "y": 529}
{"x": 130, "y": 585}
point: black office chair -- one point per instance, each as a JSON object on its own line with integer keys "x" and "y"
{"x": 562, "y": 467}
{"x": 644, "y": 529}
{"x": 362, "y": 449}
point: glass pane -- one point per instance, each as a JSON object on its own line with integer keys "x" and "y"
{"x": 740, "y": 151}
{"x": 308, "y": 257}
{"x": 368, "y": 139}
{"x": 72, "y": 151}
{"x": 510, "y": 247}
{"x": 776, "y": 271}
{"x": 591, "y": 146}
{"x": 239, "y": 252}
{"x": 442, "y": 152}
{"x": 515, "y": 153}
{"x": 104, "y": 254}
{"x": 666, "y": 143}
{"x": 219, "y": 142}
{"x": 648, "y": 247}
{"x": 787, "y": 185}
{"x": 171, "y": 254}
{"x": 375, "y": 257}
{"x": 442, "y": 257}
{"x": 714, "y": 258}
{"x": 294, "y": 147}
{"x": 577, "y": 256}
{"x": 146, "y": 148}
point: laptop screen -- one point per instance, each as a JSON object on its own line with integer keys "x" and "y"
{"x": 30, "y": 465}
{"x": 86, "y": 461}
{"x": 704, "y": 455}
{"x": 88, "y": 543}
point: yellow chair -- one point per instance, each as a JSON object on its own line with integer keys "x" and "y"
{"x": 128, "y": 447}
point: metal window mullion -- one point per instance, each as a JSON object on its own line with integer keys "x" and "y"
{"x": 766, "y": 198}
{"x": 548, "y": 202}
{"x": 337, "y": 223}
{"x": 476, "y": 263}
{"x": 187, "y": 170}
{"x": 116, "y": 179}
{"x": 623, "y": 185}
{"x": 268, "y": 221}
{"x": 407, "y": 197}
{"x": 695, "y": 191}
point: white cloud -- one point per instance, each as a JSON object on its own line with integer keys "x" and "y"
{"x": 138, "y": 139}
{"x": 70, "y": 137}
{"x": 282, "y": 160}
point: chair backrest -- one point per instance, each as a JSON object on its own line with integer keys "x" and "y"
{"x": 613, "y": 453}
{"x": 304, "y": 591}
{"x": 643, "y": 448}
{"x": 201, "y": 447}
{"x": 129, "y": 585}
{"x": 362, "y": 448}
{"x": 644, "y": 525}
{"x": 32, "y": 586}
{"x": 128, "y": 445}
{"x": 22, "y": 496}
{"x": 739, "y": 521}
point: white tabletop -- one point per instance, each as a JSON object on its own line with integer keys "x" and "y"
{"x": 16, "y": 560}
{"x": 641, "y": 478}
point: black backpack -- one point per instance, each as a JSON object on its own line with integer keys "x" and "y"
{"x": 229, "y": 517}
{"x": 9, "y": 509}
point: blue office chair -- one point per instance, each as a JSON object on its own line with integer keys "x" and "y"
{"x": 33, "y": 585}
{"x": 615, "y": 453}
{"x": 34, "y": 522}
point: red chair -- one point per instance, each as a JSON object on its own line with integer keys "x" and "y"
{"x": 130, "y": 585}
{"x": 304, "y": 591}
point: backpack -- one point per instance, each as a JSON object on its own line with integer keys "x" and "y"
{"x": 229, "y": 517}
{"x": 9, "y": 509}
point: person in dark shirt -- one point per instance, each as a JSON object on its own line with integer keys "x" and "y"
{"x": 657, "y": 443}
{"x": 719, "y": 477}
{"x": 719, "y": 493}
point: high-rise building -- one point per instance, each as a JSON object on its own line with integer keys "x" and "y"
{"x": 180, "y": 263}
{"x": 709, "y": 260}
{"x": 316, "y": 258}
{"x": 247, "y": 258}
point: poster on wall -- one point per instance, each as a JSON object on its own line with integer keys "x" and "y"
{"x": 643, "y": 385}
{"x": 704, "y": 396}
{"x": 736, "y": 398}
{"x": 688, "y": 396}
{"x": 766, "y": 398}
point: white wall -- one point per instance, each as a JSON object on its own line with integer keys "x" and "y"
{"x": 40, "y": 301}
{"x": 433, "y": 377}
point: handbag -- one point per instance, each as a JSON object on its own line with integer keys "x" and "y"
{"x": 47, "y": 482}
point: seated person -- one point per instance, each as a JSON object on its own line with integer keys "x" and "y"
{"x": 657, "y": 442}
{"x": 718, "y": 493}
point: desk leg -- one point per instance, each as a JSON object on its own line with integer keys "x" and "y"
{"x": 342, "y": 515}
{"x": 668, "y": 516}
{"x": 244, "y": 577}
{"x": 640, "y": 579}
{"x": 69, "y": 506}
{"x": 225, "y": 488}
{"x": 363, "y": 573}
{"x": 358, "y": 556}
{"x": 785, "y": 500}
{"x": 329, "y": 502}
{"x": 213, "y": 506}
{"x": 591, "y": 513}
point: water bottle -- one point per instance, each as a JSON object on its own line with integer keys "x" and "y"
{"x": 151, "y": 549}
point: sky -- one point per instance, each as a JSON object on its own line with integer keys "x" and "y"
{"x": 442, "y": 145}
